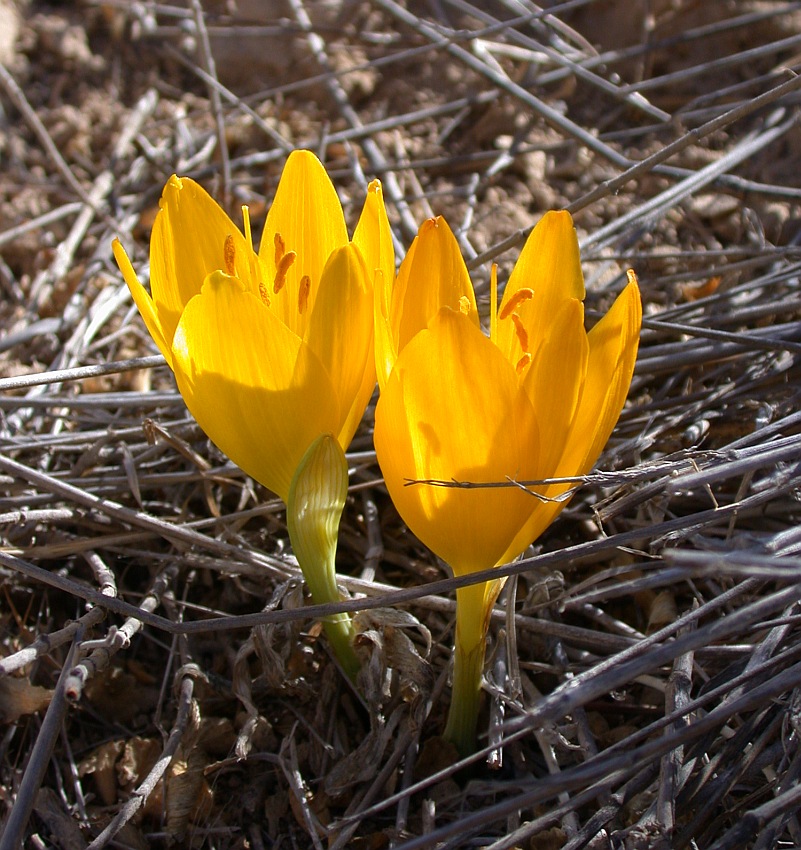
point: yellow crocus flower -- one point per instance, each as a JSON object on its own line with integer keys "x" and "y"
{"x": 272, "y": 351}
{"x": 537, "y": 398}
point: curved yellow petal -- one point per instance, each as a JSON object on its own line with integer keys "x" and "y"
{"x": 373, "y": 235}
{"x": 374, "y": 238}
{"x": 386, "y": 348}
{"x": 307, "y": 215}
{"x": 187, "y": 244}
{"x": 554, "y": 383}
{"x": 340, "y": 332}
{"x": 255, "y": 388}
{"x": 432, "y": 275}
{"x": 142, "y": 300}
{"x": 612, "y": 351}
{"x": 452, "y": 409}
{"x": 549, "y": 264}
{"x": 555, "y": 379}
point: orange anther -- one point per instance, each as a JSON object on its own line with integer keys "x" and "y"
{"x": 523, "y": 294}
{"x": 282, "y": 268}
{"x": 229, "y": 254}
{"x": 264, "y": 295}
{"x": 280, "y": 249}
{"x": 522, "y": 335}
{"x": 523, "y": 362}
{"x": 303, "y": 293}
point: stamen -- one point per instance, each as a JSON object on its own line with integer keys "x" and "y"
{"x": 523, "y": 362}
{"x": 520, "y": 330}
{"x": 303, "y": 293}
{"x": 464, "y": 305}
{"x": 282, "y": 268}
{"x": 515, "y": 301}
{"x": 494, "y": 302}
{"x": 631, "y": 275}
{"x": 229, "y": 254}
{"x": 280, "y": 249}
{"x": 265, "y": 297}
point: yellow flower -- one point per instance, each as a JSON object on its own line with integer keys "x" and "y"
{"x": 537, "y": 398}
{"x": 273, "y": 352}
{"x": 269, "y": 350}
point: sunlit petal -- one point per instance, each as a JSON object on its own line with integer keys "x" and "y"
{"x": 374, "y": 239}
{"x": 549, "y": 264}
{"x": 248, "y": 381}
{"x": 187, "y": 244}
{"x": 432, "y": 275}
{"x": 452, "y": 410}
{"x": 142, "y": 300}
{"x": 613, "y": 350}
{"x": 307, "y": 215}
{"x": 554, "y": 384}
{"x": 555, "y": 379}
{"x": 373, "y": 235}
{"x": 340, "y": 332}
{"x": 386, "y": 348}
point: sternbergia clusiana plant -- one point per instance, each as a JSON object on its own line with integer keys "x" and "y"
{"x": 273, "y": 351}
{"x": 536, "y": 399}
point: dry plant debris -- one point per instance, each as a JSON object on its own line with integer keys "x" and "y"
{"x": 164, "y": 680}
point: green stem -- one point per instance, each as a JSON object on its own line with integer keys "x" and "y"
{"x": 340, "y": 633}
{"x": 314, "y": 508}
{"x": 468, "y": 665}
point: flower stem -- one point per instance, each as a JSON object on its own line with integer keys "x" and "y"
{"x": 314, "y": 508}
{"x": 340, "y": 633}
{"x": 468, "y": 665}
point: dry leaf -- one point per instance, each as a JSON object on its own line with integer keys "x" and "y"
{"x": 19, "y": 697}
{"x": 102, "y": 764}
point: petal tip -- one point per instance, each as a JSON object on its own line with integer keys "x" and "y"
{"x": 559, "y": 223}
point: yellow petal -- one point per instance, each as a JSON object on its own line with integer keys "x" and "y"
{"x": 307, "y": 215}
{"x": 386, "y": 347}
{"x": 613, "y": 351}
{"x": 187, "y": 244}
{"x": 432, "y": 275}
{"x": 142, "y": 300}
{"x": 340, "y": 333}
{"x": 373, "y": 235}
{"x": 613, "y": 346}
{"x": 452, "y": 409}
{"x": 255, "y": 388}
{"x": 550, "y": 265}
{"x": 555, "y": 379}
{"x": 374, "y": 238}
{"x": 554, "y": 384}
